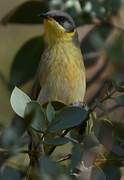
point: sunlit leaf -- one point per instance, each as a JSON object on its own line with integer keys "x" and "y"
{"x": 19, "y": 101}
{"x": 26, "y": 62}
{"x": 26, "y": 13}
{"x": 67, "y": 118}
{"x": 57, "y": 141}
{"x": 50, "y": 112}
{"x": 39, "y": 122}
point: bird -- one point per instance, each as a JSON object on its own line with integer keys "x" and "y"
{"x": 61, "y": 73}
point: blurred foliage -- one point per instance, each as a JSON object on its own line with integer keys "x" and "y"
{"x": 26, "y": 13}
{"x": 94, "y": 138}
{"x": 27, "y": 57}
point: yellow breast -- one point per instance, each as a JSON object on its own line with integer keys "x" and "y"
{"x": 62, "y": 74}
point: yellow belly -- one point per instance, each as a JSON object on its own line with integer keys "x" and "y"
{"x": 62, "y": 76}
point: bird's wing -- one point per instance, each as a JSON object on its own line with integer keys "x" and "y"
{"x": 35, "y": 90}
{"x": 40, "y": 77}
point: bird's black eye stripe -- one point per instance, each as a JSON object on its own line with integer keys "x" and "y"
{"x": 65, "y": 23}
{"x": 59, "y": 18}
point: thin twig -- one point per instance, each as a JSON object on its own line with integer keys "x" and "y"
{"x": 72, "y": 140}
{"x": 103, "y": 100}
{"x": 64, "y": 158}
{"x": 54, "y": 147}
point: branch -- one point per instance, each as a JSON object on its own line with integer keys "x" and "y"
{"x": 64, "y": 158}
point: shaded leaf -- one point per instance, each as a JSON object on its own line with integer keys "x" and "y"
{"x": 3, "y": 157}
{"x": 104, "y": 109}
{"x": 26, "y": 13}
{"x": 92, "y": 155}
{"x": 50, "y": 112}
{"x": 38, "y": 116}
{"x": 67, "y": 118}
{"x": 26, "y": 62}
{"x": 117, "y": 149}
{"x": 94, "y": 42}
{"x": 10, "y": 173}
{"x": 103, "y": 10}
{"x": 64, "y": 177}
{"x": 48, "y": 166}
{"x": 118, "y": 128}
{"x": 57, "y": 105}
{"x": 76, "y": 156}
{"x": 120, "y": 86}
{"x": 90, "y": 141}
{"x": 98, "y": 173}
{"x": 19, "y": 101}
{"x": 57, "y": 141}
{"x": 120, "y": 100}
{"x": 9, "y": 138}
{"x": 112, "y": 171}
{"x": 103, "y": 130}
{"x": 115, "y": 52}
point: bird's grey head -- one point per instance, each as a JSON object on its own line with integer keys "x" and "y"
{"x": 62, "y": 18}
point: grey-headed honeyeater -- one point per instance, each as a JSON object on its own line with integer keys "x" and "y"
{"x": 61, "y": 73}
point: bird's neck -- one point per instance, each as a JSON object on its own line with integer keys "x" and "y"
{"x": 51, "y": 41}
{"x": 60, "y": 37}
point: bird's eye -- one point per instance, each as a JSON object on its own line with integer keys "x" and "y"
{"x": 68, "y": 27}
{"x": 65, "y": 23}
{"x": 59, "y": 19}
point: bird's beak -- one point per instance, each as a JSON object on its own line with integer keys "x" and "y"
{"x": 44, "y": 16}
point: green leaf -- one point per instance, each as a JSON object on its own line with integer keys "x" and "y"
{"x": 103, "y": 108}
{"x": 26, "y": 13}
{"x": 115, "y": 53}
{"x": 39, "y": 122}
{"x": 102, "y": 10}
{"x": 50, "y": 112}
{"x": 64, "y": 177}
{"x": 120, "y": 86}
{"x": 67, "y": 118}
{"x": 10, "y": 173}
{"x": 57, "y": 141}
{"x": 120, "y": 100}
{"x": 57, "y": 105}
{"x": 118, "y": 128}
{"x": 103, "y": 130}
{"x": 48, "y": 166}
{"x": 19, "y": 101}
{"x": 76, "y": 156}
{"x": 97, "y": 173}
{"x": 26, "y": 62}
{"x": 92, "y": 44}
{"x": 112, "y": 170}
